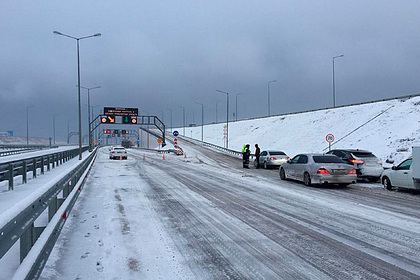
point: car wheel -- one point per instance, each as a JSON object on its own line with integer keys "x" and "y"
{"x": 282, "y": 174}
{"x": 265, "y": 165}
{"x": 373, "y": 179}
{"x": 387, "y": 184}
{"x": 306, "y": 179}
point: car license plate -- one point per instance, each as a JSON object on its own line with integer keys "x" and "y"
{"x": 338, "y": 171}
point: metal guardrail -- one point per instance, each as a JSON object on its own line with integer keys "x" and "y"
{"x": 21, "y": 146}
{"x": 9, "y": 170}
{"x": 15, "y": 151}
{"x": 21, "y": 227}
{"x": 229, "y": 151}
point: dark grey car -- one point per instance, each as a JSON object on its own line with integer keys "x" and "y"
{"x": 367, "y": 165}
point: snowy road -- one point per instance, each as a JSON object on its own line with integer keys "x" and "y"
{"x": 205, "y": 217}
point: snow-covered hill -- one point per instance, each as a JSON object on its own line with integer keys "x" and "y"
{"x": 388, "y": 128}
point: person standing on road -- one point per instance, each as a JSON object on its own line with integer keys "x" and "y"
{"x": 257, "y": 155}
{"x": 245, "y": 156}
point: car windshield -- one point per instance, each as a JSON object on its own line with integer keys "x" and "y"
{"x": 119, "y": 149}
{"x": 363, "y": 154}
{"x": 277, "y": 154}
{"x": 327, "y": 159}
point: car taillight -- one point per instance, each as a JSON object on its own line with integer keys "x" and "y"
{"x": 352, "y": 171}
{"x": 288, "y": 158}
{"x": 272, "y": 158}
{"x": 380, "y": 161}
{"x": 323, "y": 171}
{"x": 356, "y": 161}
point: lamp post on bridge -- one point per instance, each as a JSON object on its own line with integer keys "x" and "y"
{"x": 78, "y": 82}
{"x": 334, "y": 78}
{"x": 268, "y": 91}
{"x": 227, "y": 117}
{"x": 27, "y": 124}
{"x": 202, "y": 120}
{"x": 89, "y": 127}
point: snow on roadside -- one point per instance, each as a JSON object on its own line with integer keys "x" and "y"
{"x": 389, "y": 135}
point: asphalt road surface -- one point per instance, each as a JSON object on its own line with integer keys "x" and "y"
{"x": 219, "y": 221}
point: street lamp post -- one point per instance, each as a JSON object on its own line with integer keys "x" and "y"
{"x": 78, "y": 83}
{"x": 236, "y": 109}
{"x": 217, "y": 102}
{"x": 183, "y": 119}
{"x": 202, "y": 120}
{"x": 94, "y": 136}
{"x": 268, "y": 91}
{"x": 334, "y": 78}
{"x": 147, "y": 128}
{"x": 89, "y": 126}
{"x": 170, "y": 110}
{"x": 227, "y": 117}
{"x": 27, "y": 124}
{"x": 54, "y": 127}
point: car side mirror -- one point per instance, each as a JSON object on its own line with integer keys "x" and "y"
{"x": 394, "y": 167}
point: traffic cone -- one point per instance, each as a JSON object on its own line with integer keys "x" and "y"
{"x": 144, "y": 156}
{"x": 120, "y": 157}
{"x": 163, "y": 156}
{"x": 185, "y": 155}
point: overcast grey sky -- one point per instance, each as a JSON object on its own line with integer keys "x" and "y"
{"x": 156, "y": 55}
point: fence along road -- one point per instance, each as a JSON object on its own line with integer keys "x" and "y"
{"x": 58, "y": 194}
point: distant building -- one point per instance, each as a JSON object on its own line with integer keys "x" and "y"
{"x": 6, "y": 133}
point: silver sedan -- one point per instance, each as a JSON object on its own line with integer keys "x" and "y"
{"x": 272, "y": 159}
{"x": 318, "y": 169}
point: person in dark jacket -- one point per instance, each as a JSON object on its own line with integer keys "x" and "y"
{"x": 245, "y": 156}
{"x": 257, "y": 155}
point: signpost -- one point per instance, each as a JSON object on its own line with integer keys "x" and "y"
{"x": 329, "y": 138}
{"x": 176, "y": 133}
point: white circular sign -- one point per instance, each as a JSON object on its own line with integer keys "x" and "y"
{"x": 329, "y": 138}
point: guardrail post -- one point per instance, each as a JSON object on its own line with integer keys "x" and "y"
{"x": 34, "y": 168}
{"x": 48, "y": 163}
{"x": 42, "y": 165}
{"x": 53, "y": 161}
{"x": 24, "y": 173}
{"x": 26, "y": 242}
{"x": 11, "y": 176}
{"x": 52, "y": 208}
{"x": 28, "y": 239}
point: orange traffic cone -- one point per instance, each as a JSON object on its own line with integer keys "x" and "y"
{"x": 163, "y": 156}
{"x": 185, "y": 155}
{"x": 120, "y": 157}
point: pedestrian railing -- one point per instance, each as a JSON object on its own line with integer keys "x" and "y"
{"x": 36, "y": 243}
{"x": 9, "y": 170}
{"x": 14, "y": 151}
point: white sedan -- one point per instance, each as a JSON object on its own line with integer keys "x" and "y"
{"x": 399, "y": 176}
{"x": 117, "y": 153}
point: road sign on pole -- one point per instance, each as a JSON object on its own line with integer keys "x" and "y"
{"x": 329, "y": 138}
{"x": 175, "y": 133}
